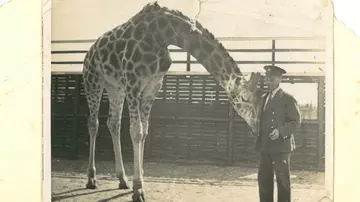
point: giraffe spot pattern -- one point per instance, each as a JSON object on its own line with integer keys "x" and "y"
{"x": 201, "y": 55}
{"x": 121, "y": 56}
{"x": 162, "y": 22}
{"x": 129, "y": 66}
{"x": 139, "y": 19}
{"x": 227, "y": 67}
{"x": 141, "y": 70}
{"x": 105, "y": 55}
{"x": 174, "y": 23}
{"x": 207, "y": 46}
{"x": 149, "y": 40}
{"x": 135, "y": 91}
{"x": 164, "y": 64}
{"x": 153, "y": 68}
{"x": 179, "y": 40}
{"x": 118, "y": 33}
{"x": 131, "y": 77}
{"x": 149, "y": 17}
{"x": 128, "y": 32}
{"x": 107, "y": 34}
{"x": 217, "y": 57}
{"x": 183, "y": 28}
{"x": 140, "y": 31}
{"x": 129, "y": 48}
{"x": 159, "y": 39}
{"x": 137, "y": 55}
{"x": 152, "y": 27}
{"x": 117, "y": 75}
{"x": 149, "y": 58}
{"x": 114, "y": 61}
{"x": 145, "y": 47}
{"x": 112, "y": 37}
{"x": 111, "y": 46}
{"x": 103, "y": 42}
{"x": 108, "y": 69}
{"x": 169, "y": 32}
{"x": 120, "y": 46}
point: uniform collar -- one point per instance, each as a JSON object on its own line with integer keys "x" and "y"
{"x": 273, "y": 92}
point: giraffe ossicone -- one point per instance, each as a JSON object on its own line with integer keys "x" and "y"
{"x": 130, "y": 62}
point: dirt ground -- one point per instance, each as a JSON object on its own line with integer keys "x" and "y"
{"x": 176, "y": 183}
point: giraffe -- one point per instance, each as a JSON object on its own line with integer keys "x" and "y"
{"x": 130, "y": 62}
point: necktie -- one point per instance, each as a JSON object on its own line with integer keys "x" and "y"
{"x": 268, "y": 99}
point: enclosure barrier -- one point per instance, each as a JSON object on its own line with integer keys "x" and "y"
{"x": 191, "y": 119}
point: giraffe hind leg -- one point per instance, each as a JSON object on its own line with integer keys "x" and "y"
{"x": 139, "y": 112}
{"x": 136, "y": 133}
{"x": 116, "y": 102}
{"x": 93, "y": 93}
{"x": 149, "y": 96}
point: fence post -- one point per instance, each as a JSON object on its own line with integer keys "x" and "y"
{"x": 273, "y": 52}
{"x": 75, "y": 116}
{"x": 321, "y": 120}
{"x": 231, "y": 134}
{"x": 188, "y": 63}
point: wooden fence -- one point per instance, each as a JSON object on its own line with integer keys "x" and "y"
{"x": 191, "y": 120}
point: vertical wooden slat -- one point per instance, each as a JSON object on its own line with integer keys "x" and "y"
{"x": 203, "y": 91}
{"x": 273, "y": 52}
{"x": 164, "y": 87}
{"x": 321, "y": 120}
{"x": 190, "y": 89}
{"x": 177, "y": 80}
{"x": 75, "y": 116}
{"x": 188, "y": 62}
{"x": 231, "y": 134}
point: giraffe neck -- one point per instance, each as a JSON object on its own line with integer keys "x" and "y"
{"x": 174, "y": 28}
{"x": 209, "y": 53}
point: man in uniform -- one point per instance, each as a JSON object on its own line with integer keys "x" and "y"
{"x": 279, "y": 119}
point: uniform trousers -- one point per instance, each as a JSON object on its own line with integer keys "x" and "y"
{"x": 280, "y": 164}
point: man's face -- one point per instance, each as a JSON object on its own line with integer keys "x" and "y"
{"x": 273, "y": 81}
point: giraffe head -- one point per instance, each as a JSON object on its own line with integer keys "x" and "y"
{"x": 245, "y": 98}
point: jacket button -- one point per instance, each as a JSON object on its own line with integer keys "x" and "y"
{"x": 272, "y": 120}
{"x": 273, "y": 112}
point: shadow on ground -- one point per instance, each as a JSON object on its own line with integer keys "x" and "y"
{"x": 72, "y": 194}
{"x": 105, "y": 170}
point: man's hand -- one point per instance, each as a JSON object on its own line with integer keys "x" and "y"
{"x": 274, "y": 134}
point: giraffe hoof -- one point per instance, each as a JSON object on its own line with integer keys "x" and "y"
{"x": 138, "y": 196}
{"x": 91, "y": 184}
{"x": 123, "y": 185}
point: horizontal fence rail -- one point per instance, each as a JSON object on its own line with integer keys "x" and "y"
{"x": 271, "y": 60}
{"x": 191, "y": 119}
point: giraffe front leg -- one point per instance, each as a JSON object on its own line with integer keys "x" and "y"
{"x": 136, "y": 132}
{"x": 119, "y": 164}
{"x": 114, "y": 126}
{"x": 93, "y": 92}
{"x": 146, "y": 106}
{"x": 142, "y": 144}
{"x": 93, "y": 124}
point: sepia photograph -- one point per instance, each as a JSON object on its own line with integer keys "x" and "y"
{"x": 191, "y": 101}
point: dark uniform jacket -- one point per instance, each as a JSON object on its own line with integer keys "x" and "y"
{"x": 282, "y": 113}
